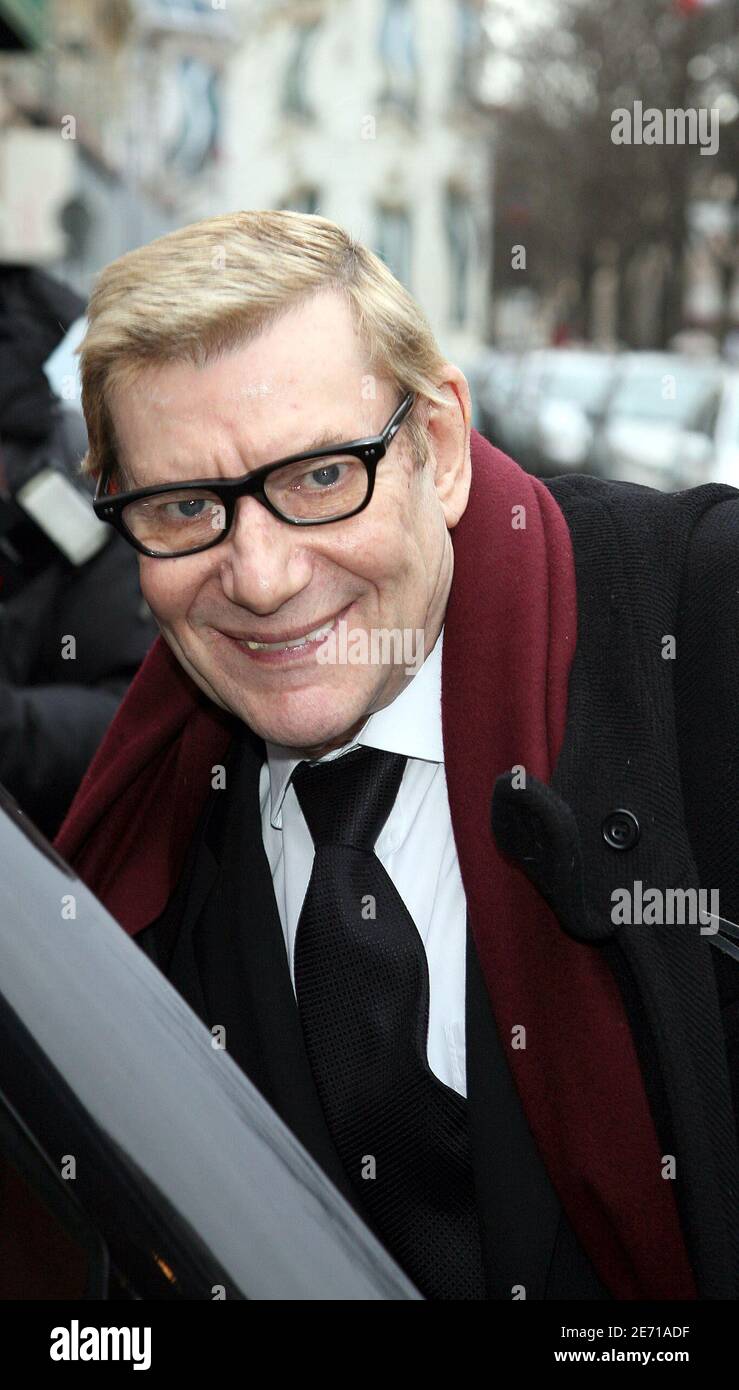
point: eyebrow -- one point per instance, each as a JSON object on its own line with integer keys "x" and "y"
{"x": 323, "y": 440}
{"x": 320, "y": 441}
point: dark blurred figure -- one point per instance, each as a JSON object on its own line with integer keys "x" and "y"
{"x": 73, "y": 625}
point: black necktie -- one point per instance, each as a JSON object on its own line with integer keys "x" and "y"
{"x": 362, "y": 986}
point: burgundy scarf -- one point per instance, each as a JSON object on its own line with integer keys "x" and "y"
{"x": 509, "y": 639}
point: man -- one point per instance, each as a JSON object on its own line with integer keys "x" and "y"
{"x": 73, "y": 627}
{"x": 388, "y": 881}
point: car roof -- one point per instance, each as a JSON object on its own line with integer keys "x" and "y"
{"x": 143, "y": 1067}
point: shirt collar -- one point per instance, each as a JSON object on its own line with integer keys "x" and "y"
{"x": 410, "y": 724}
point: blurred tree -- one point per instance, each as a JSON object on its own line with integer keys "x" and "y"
{"x": 577, "y": 200}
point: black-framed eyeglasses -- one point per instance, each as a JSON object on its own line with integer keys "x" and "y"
{"x": 184, "y": 518}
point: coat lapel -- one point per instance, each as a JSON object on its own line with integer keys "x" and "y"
{"x": 518, "y": 1209}
{"x": 232, "y": 962}
{"x": 226, "y": 895}
{"x": 509, "y": 640}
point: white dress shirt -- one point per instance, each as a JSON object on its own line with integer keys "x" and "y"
{"x": 416, "y": 847}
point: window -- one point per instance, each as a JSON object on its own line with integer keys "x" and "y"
{"x": 398, "y": 56}
{"x": 295, "y": 96}
{"x": 468, "y": 46}
{"x": 191, "y": 114}
{"x": 181, "y": 17}
{"x": 48, "y": 1249}
{"x": 460, "y": 239}
{"x": 393, "y": 241}
{"x": 304, "y": 199}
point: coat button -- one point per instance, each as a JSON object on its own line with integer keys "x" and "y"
{"x": 621, "y": 829}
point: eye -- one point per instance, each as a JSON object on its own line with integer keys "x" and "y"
{"x": 328, "y": 474}
{"x": 322, "y": 476}
{"x": 186, "y": 508}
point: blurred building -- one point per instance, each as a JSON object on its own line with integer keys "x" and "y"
{"x": 122, "y": 119}
{"x": 370, "y": 113}
{"x": 110, "y": 115}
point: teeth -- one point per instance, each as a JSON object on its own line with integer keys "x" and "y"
{"x": 296, "y": 642}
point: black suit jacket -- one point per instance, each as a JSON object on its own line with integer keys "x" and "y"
{"x": 221, "y": 944}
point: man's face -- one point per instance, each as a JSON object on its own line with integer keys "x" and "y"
{"x": 388, "y": 567}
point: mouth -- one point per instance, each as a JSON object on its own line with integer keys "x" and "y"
{"x": 288, "y": 648}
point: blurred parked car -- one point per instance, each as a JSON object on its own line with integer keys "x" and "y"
{"x": 475, "y": 374}
{"x": 545, "y": 407}
{"x": 137, "y": 1161}
{"x": 664, "y": 420}
{"x": 495, "y": 376}
{"x": 572, "y": 392}
{"x": 517, "y": 411}
{"x": 724, "y": 464}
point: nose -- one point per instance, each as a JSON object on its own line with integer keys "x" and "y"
{"x": 263, "y": 561}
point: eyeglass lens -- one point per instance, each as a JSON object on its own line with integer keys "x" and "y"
{"x": 323, "y": 490}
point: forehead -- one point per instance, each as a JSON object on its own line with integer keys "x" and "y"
{"x": 307, "y": 372}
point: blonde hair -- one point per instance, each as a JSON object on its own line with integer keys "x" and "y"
{"x": 215, "y": 285}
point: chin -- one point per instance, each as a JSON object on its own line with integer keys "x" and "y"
{"x": 306, "y": 736}
{"x": 303, "y": 729}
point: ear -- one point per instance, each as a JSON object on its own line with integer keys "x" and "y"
{"x": 449, "y": 429}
